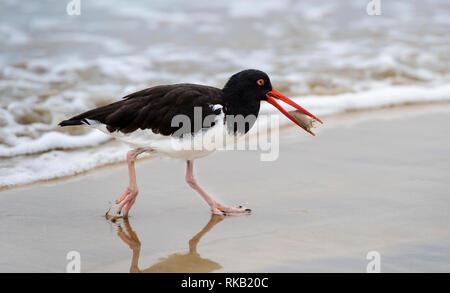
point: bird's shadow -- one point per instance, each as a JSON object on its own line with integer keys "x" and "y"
{"x": 190, "y": 262}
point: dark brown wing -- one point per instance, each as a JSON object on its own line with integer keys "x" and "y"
{"x": 154, "y": 108}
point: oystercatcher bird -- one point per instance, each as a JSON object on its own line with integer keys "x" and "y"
{"x": 161, "y": 121}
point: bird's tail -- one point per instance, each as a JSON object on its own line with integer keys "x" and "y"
{"x": 94, "y": 116}
{"x": 72, "y": 122}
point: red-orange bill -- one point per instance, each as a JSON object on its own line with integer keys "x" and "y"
{"x": 274, "y": 94}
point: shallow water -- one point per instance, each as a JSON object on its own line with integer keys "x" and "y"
{"x": 329, "y": 56}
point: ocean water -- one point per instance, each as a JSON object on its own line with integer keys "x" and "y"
{"x": 330, "y": 56}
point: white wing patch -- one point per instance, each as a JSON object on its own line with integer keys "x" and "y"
{"x": 91, "y": 122}
{"x": 216, "y": 107}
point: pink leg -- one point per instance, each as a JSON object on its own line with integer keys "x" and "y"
{"x": 216, "y": 208}
{"x": 128, "y": 197}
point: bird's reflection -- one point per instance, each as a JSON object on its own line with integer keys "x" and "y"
{"x": 190, "y": 262}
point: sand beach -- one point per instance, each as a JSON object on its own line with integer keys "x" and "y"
{"x": 373, "y": 180}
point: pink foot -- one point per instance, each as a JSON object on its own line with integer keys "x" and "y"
{"x": 220, "y": 209}
{"x": 126, "y": 200}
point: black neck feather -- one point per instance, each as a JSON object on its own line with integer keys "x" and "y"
{"x": 240, "y": 104}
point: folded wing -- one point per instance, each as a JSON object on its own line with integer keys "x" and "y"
{"x": 154, "y": 108}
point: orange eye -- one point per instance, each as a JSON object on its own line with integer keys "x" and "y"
{"x": 260, "y": 82}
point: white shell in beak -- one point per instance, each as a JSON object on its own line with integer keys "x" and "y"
{"x": 303, "y": 119}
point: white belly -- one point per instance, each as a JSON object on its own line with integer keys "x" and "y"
{"x": 189, "y": 147}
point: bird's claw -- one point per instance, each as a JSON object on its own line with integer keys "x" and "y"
{"x": 246, "y": 209}
{"x": 126, "y": 200}
{"x": 223, "y": 210}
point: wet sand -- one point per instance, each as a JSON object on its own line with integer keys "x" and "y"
{"x": 375, "y": 180}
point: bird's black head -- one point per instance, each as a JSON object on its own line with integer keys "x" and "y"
{"x": 242, "y": 95}
{"x": 248, "y": 85}
{"x": 245, "y": 90}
